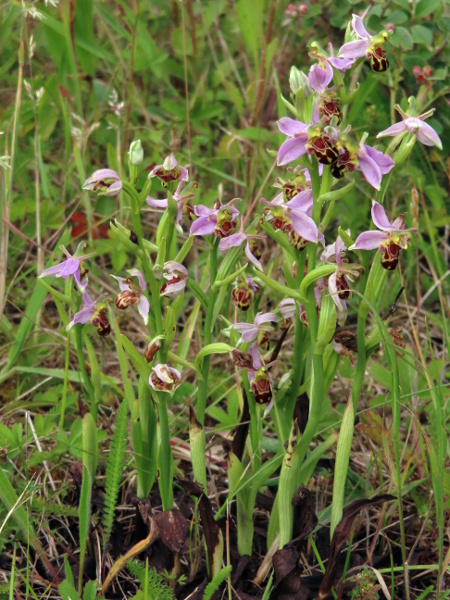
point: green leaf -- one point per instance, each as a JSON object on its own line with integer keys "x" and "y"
{"x": 68, "y": 592}
{"x": 401, "y": 38}
{"x": 396, "y": 17}
{"x": 114, "y": 470}
{"x": 426, "y": 7}
{"x": 215, "y": 348}
{"x": 250, "y": 18}
{"x": 421, "y": 35}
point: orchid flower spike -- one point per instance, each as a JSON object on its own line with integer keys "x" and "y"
{"x": 367, "y": 45}
{"x": 66, "y": 268}
{"x": 132, "y": 295}
{"x": 391, "y": 238}
{"x": 104, "y": 181}
{"x": 415, "y": 125}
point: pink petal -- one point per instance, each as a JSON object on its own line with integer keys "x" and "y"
{"x": 393, "y": 129}
{"x": 265, "y": 318}
{"x": 291, "y": 127}
{"x": 203, "y": 211}
{"x": 369, "y": 240}
{"x": 101, "y": 175}
{"x": 123, "y": 285}
{"x": 291, "y": 150}
{"x": 302, "y": 201}
{"x": 304, "y": 226}
{"x": 354, "y": 50}
{"x": 232, "y": 241}
{"x": 370, "y": 170}
{"x": 427, "y": 136}
{"x": 341, "y": 64}
{"x": 252, "y": 258}
{"x": 339, "y": 302}
{"x": 380, "y": 218}
{"x": 114, "y": 189}
{"x": 143, "y": 307}
{"x": 384, "y": 162}
{"x": 153, "y": 202}
{"x": 203, "y": 226}
{"x": 83, "y": 316}
{"x": 320, "y": 77}
{"x": 359, "y": 29}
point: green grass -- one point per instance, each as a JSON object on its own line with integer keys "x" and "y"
{"x": 202, "y": 80}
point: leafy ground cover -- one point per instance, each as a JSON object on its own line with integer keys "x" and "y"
{"x": 203, "y": 431}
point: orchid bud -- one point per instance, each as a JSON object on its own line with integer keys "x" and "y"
{"x": 327, "y": 323}
{"x": 299, "y": 81}
{"x": 164, "y": 378}
{"x": 151, "y": 350}
{"x": 136, "y": 153}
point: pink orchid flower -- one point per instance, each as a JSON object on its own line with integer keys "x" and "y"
{"x": 133, "y": 295}
{"x": 104, "y": 181}
{"x": 176, "y": 275}
{"x": 250, "y": 331}
{"x": 415, "y": 125}
{"x": 391, "y": 238}
{"x": 71, "y": 266}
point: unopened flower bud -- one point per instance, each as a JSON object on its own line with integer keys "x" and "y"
{"x": 136, "y": 153}
{"x": 299, "y": 81}
{"x": 151, "y": 350}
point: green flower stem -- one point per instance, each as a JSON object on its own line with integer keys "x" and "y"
{"x": 297, "y": 374}
{"x": 81, "y": 361}
{"x": 200, "y": 408}
{"x": 165, "y": 459}
{"x": 361, "y": 360}
{"x": 145, "y": 262}
{"x": 255, "y": 430}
